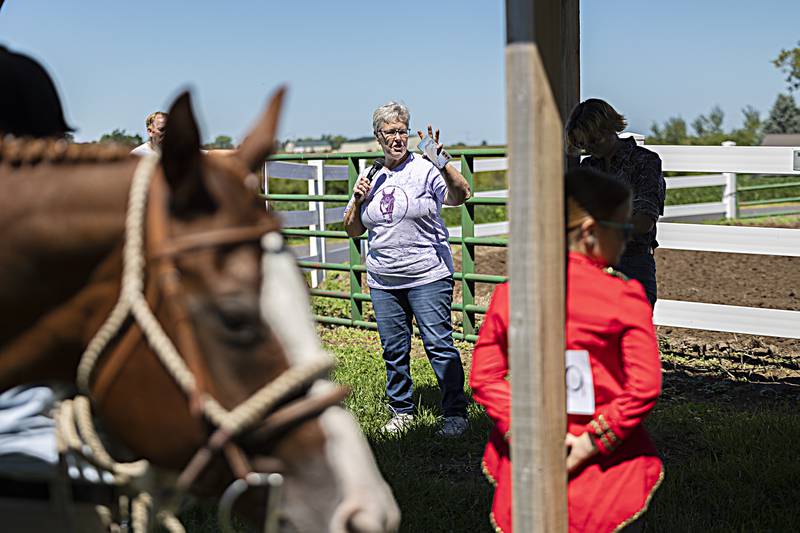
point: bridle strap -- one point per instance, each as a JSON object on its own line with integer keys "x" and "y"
{"x": 167, "y": 279}
{"x": 289, "y": 415}
{"x": 147, "y": 200}
{"x": 211, "y": 239}
{"x": 297, "y": 411}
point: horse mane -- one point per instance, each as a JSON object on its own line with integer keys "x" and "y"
{"x": 19, "y": 151}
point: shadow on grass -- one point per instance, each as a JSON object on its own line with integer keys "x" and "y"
{"x": 730, "y": 455}
{"x": 437, "y": 481}
{"x": 729, "y": 448}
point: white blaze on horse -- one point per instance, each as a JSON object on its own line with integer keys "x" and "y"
{"x": 224, "y": 382}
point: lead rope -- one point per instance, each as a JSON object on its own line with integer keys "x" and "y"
{"x": 74, "y": 419}
{"x": 76, "y": 434}
{"x": 75, "y": 426}
{"x": 132, "y": 301}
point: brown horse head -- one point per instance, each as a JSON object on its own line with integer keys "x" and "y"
{"x": 204, "y": 277}
{"x": 63, "y": 219}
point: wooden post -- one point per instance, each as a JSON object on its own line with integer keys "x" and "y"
{"x": 537, "y": 70}
{"x": 569, "y": 91}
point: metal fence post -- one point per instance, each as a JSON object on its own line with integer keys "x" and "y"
{"x": 467, "y": 249}
{"x": 362, "y": 166}
{"x": 355, "y": 250}
{"x": 266, "y": 183}
{"x": 730, "y": 198}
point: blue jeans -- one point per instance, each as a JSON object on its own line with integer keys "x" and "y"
{"x": 642, "y": 268}
{"x": 430, "y": 304}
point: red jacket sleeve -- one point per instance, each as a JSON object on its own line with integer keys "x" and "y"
{"x": 641, "y": 367}
{"x": 490, "y": 388}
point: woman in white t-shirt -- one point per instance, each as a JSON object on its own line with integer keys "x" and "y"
{"x": 409, "y": 264}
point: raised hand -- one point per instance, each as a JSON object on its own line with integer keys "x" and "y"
{"x": 434, "y": 136}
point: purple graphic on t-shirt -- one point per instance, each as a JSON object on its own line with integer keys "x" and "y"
{"x": 387, "y": 205}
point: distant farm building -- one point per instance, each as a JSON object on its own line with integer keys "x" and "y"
{"x": 307, "y": 147}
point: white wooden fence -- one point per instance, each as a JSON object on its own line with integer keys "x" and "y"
{"x": 723, "y": 161}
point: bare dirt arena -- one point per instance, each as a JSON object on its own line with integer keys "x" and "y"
{"x": 730, "y": 279}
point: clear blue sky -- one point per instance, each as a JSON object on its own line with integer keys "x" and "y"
{"x": 114, "y": 62}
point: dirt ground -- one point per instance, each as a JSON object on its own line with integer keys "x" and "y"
{"x": 741, "y": 370}
{"x": 731, "y": 279}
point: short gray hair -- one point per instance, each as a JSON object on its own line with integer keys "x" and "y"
{"x": 391, "y": 112}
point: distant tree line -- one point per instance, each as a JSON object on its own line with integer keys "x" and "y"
{"x": 132, "y": 140}
{"x": 784, "y": 117}
{"x": 122, "y": 137}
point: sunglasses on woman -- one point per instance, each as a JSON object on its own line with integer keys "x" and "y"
{"x": 625, "y": 227}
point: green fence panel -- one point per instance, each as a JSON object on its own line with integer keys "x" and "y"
{"x": 356, "y": 270}
{"x": 467, "y": 276}
{"x": 468, "y": 248}
{"x": 356, "y": 305}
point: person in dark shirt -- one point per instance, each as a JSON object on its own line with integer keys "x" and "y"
{"x": 593, "y": 127}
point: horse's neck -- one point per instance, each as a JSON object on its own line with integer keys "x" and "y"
{"x": 57, "y": 223}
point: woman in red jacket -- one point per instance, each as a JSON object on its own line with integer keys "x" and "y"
{"x": 613, "y": 467}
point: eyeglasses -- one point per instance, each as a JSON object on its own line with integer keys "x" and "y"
{"x": 389, "y": 134}
{"x": 625, "y": 227}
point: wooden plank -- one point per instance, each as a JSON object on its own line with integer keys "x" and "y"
{"x": 729, "y": 318}
{"x": 738, "y": 159}
{"x": 697, "y": 237}
{"x": 335, "y": 172}
{"x": 688, "y": 182}
{"x": 729, "y": 239}
{"x": 290, "y": 171}
{"x": 569, "y": 87}
{"x": 709, "y": 209}
{"x": 536, "y": 334}
{"x": 296, "y": 219}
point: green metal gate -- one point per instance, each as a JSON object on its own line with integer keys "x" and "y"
{"x": 355, "y": 268}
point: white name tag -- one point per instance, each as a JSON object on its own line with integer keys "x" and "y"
{"x": 580, "y": 388}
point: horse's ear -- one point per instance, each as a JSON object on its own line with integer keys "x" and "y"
{"x": 260, "y": 142}
{"x": 182, "y": 162}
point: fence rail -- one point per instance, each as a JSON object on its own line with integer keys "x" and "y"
{"x": 725, "y": 161}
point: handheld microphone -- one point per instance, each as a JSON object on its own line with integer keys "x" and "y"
{"x": 376, "y": 166}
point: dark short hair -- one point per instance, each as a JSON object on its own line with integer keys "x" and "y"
{"x": 597, "y": 193}
{"x": 29, "y": 102}
{"x": 590, "y": 119}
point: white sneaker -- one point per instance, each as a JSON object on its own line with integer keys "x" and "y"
{"x": 399, "y": 422}
{"x": 453, "y": 426}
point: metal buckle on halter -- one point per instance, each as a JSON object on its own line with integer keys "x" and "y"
{"x": 274, "y": 484}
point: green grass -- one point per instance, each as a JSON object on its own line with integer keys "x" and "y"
{"x": 730, "y": 466}
{"x": 437, "y": 482}
{"x": 729, "y": 449}
{"x": 768, "y": 221}
{"x": 727, "y": 469}
{"x": 333, "y": 307}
